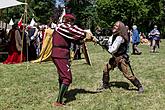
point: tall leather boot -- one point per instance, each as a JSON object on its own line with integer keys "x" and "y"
{"x": 105, "y": 81}
{"x": 137, "y": 83}
{"x": 61, "y": 94}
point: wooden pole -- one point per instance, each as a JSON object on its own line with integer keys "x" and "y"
{"x": 27, "y": 52}
{"x": 24, "y": 22}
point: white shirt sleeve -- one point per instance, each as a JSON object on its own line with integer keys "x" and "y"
{"x": 110, "y": 40}
{"x": 115, "y": 45}
{"x": 157, "y": 32}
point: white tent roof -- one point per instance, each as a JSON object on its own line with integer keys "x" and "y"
{"x": 9, "y": 3}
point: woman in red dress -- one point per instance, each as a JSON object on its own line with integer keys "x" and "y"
{"x": 15, "y": 46}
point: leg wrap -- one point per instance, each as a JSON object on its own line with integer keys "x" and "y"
{"x": 105, "y": 78}
{"x": 62, "y": 92}
{"x": 136, "y": 83}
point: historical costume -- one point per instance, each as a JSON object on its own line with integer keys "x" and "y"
{"x": 65, "y": 33}
{"x": 35, "y": 36}
{"x": 135, "y": 41}
{"x": 15, "y": 46}
{"x": 46, "y": 50}
{"x": 154, "y": 36}
{"x": 117, "y": 46}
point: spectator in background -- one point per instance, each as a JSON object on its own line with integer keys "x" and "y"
{"x": 2, "y": 36}
{"x": 75, "y": 51}
{"x": 32, "y": 34}
{"x": 15, "y": 46}
{"x": 46, "y": 50}
{"x": 135, "y": 41}
{"x": 25, "y": 38}
{"x": 154, "y": 35}
{"x": 129, "y": 36}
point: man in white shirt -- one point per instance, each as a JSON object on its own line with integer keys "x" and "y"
{"x": 117, "y": 46}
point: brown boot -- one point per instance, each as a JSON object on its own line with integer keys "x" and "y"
{"x": 105, "y": 81}
{"x": 140, "y": 90}
{"x": 137, "y": 83}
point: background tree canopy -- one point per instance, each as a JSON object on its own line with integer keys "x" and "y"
{"x": 143, "y": 13}
{"x": 40, "y": 10}
{"x": 103, "y": 13}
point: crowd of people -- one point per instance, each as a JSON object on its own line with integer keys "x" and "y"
{"x": 36, "y": 45}
{"x": 27, "y": 43}
{"x": 152, "y": 39}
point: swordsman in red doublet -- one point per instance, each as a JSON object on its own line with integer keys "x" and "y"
{"x": 65, "y": 33}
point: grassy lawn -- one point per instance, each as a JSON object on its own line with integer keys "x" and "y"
{"x": 36, "y": 88}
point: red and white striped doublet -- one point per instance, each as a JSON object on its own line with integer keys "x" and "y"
{"x": 70, "y": 32}
{"x": 63, "y": 35}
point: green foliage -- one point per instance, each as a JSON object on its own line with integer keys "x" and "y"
{"x": 41, "y": 10}
{"x": 128, "y": 11}
{"x": 143, "y": 13}
{"x": 90, "y": 13}
{"x": 84, "y": 11}
{"x": 36, "y": 87}
{"x": 12, "y": 13}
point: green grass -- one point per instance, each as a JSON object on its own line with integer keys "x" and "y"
{"x": 36, "y": 88}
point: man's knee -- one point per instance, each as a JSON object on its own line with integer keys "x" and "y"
{"x": 67, "y": 81}
{"x": 107, "y": 68}
{"x": 129, "y": 77}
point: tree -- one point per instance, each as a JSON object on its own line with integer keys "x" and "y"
{"x": 84, "y": 11}
{"x": 128, "y": 11}
{"x": 41, "y": 10}
{"x": 90, "y": 13}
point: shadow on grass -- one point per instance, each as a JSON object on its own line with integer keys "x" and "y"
{"x": 121, "y": 84}
{"x": 71, "y": 94}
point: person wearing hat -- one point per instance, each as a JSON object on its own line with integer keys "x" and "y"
{"x": 64, "y": 34}
{"x": 155, "y": 38}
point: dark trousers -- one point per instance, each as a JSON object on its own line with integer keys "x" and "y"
{"x": 135, "y": 48}
{"x": 64, "y": 71}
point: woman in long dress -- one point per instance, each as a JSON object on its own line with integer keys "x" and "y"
{"x": 45, "y": 53}
{"x": 15, "y": 46}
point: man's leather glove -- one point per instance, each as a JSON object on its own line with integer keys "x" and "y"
{"x": 89, "y": 37}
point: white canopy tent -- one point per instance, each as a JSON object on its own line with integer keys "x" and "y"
{"x": 6, "y": 4}
{"x": 9, "y": 3}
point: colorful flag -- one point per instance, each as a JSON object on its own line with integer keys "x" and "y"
{"x": 20, "y": 22}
